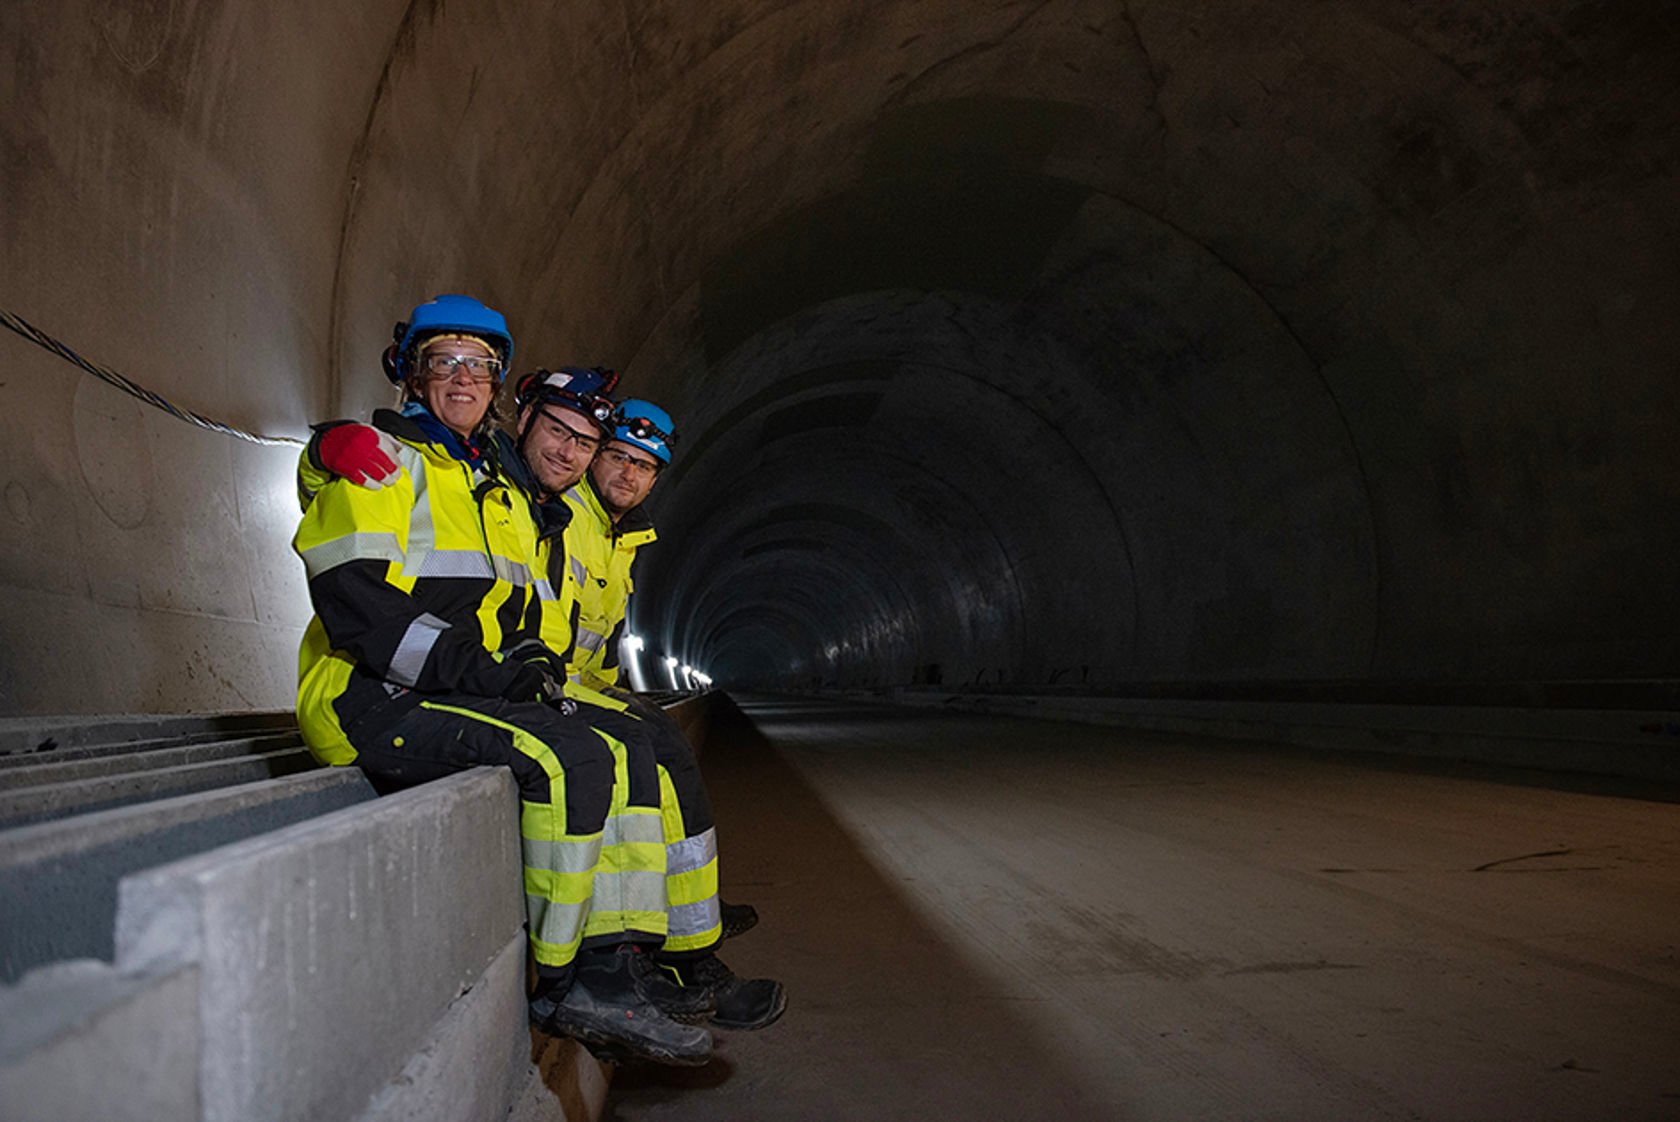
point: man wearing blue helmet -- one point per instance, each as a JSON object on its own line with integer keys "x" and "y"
{"x": 608, "y": 526}
{"x": 433, "y": 649}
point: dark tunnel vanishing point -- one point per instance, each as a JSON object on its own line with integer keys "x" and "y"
{"x": 1055, "y": 344}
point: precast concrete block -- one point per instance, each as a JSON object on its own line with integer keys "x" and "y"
{"x": 693, "y": 716}
{"x": 41, "y": 771}
{"x": 58, "y": 879}
{"x": 329, "y": 950}
{"x": 46, "y": 735}
{"x": 56, "y": 800}
{"x": 84, "y": 1042}
{"x": 476, "y": 1058}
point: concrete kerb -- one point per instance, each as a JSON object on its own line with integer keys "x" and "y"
{"x": 335, "y": 946}
{"x": 30, "y": 804}
{"x": 367, "y": 964}
{"x": 58, "y": 879}
{"x": 1599, "y": 742}
{"x": 44, "y": 735}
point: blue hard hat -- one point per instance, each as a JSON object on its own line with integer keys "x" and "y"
{"x": 444, "y": 315}
{"x": 580, "y": 388}
{"x": 645, "y": 425}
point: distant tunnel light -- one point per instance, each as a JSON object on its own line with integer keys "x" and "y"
{"x": 628, "y": 648}
{"x": 671, "y": 669}
{"x": 688, "y": 676}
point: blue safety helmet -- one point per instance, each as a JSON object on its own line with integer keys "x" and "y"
{"x": 445, "y": 315}
{"x": 583, "y": 389}
{"x": 645, "y": 425}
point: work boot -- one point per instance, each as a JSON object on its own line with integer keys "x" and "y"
{"x": 603, "y": 1009}
{"x": 661, "y": 987}
{"x": 737, "y": 918}
{"x": 742, "y": 1003}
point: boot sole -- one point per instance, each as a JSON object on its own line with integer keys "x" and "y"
{"x": 617, "y": 1049}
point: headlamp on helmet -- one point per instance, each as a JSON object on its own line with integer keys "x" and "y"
{"x": 646, "y": 426}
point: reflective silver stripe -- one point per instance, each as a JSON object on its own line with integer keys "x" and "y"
{"x": 691, "y": 853}
{"x": 422, "y": 535}
{"x": 322, "y": 558}
{"x": 694, "y": 919}
{"x": 551, "y": 922}
{"x": 545, "y": 591}
{"x": 635, "y": 891}
{"x": 580, "y": 572}
{"x": 589, "y": 640}
{"x": 621, "y": 829}
{"x": 514, "y": 572}
{"x": 417, "y": 642}
{"x": 463, "y": 564}
{"x": 561, "y": 856}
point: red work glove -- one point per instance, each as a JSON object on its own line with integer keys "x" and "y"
{"x": 360, "y": 453}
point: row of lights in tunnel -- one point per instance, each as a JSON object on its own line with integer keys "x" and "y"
{"x": 683, "y": 676}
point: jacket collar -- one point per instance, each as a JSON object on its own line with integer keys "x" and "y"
{"x": 417, "y": 425}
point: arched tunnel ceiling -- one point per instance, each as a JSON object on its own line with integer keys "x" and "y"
{"x": 1061, "y": 341}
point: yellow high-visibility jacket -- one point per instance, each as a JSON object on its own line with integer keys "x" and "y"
{"x": 601, "y": 554}
{"x": 418, "y": 587}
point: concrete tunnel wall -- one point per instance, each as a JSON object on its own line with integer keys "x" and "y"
{"x": 1064, "y": 343}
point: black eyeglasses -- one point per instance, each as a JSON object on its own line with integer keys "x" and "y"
{"x": 583, "y": 440}
{"x": 621, "y": 459}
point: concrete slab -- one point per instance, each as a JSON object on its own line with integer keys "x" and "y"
{"x": 987, "y": 917}
{"x": 36, "y": 804}
{"x": 334, "y": 946}
{"x": 86, "y": 1043}
{"x": 58, "y": 879}
{"x": 475, "y": 1061}
{"x": 43, "y": 770}
{"x": 29, "y": 735}
{"x": 1639, "y": 744}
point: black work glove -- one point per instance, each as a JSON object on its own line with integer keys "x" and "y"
{"x": 531, "y": 682}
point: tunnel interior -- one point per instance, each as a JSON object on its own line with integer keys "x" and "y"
{"x": 1071, "y": 344}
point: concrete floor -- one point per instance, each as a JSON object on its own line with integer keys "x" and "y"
{"x": 985, "y": 918}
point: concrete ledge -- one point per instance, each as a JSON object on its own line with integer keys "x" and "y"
{"x": 474, "y": 1062}
{"x": 51, "y": 734}
{"x": 58, "y": 880}
{"x": 1628, "y": 743}
{"x": 39, "y": 770}
{"x": 83, "y": 1042}
{"x": 693, "y": 714}
{"x": 330, "y": 949}
{"x": 24, "y": 805}
{"x": 366, "y": 963}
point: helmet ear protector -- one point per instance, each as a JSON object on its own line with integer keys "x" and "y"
{"x": 388, "y": 360}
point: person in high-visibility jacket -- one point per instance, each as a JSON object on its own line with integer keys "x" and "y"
{"x": 559, "y": 427}
{"x": 433, "y": 649}
{"x": 607, "y": 527}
